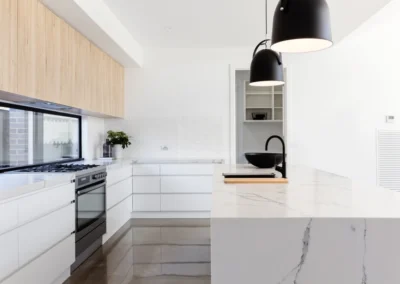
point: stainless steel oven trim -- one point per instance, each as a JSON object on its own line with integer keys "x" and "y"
{"x": 102, "y": 218}
{"x": 91, "y": 188}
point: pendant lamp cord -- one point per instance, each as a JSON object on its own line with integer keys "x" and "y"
{"x": 266, "y": 21}
{"x": 278, "y": 55}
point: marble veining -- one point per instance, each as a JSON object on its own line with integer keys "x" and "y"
{"x": 310, "y": 193}
{"x": 305, "y": 250}
{"x": 303, "y": 257}
{"x": 364, "y": 269}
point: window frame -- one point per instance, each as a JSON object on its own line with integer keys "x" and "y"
{"x": 51, "y": 112}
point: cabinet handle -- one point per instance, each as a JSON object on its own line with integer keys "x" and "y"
{"x": 73, "y": 233}
{"x": 73, "y": 201}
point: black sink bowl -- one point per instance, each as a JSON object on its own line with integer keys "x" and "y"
{"x": 264, "y": 160}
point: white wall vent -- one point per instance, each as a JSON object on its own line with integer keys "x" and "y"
{"x": 388, "y": 159}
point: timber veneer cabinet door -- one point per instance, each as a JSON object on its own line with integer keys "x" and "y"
{"x": 53, "y": 59}
{"x": 8, "y": 46}
{"x": 31, "y": 49}
{"x": 54, "y": 62}
{"x": 82, "y": 77}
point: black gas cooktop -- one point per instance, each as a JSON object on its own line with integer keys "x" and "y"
{"x": 58, "y": 168}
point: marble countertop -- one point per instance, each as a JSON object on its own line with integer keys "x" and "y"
{"x": 178, "y": 161}
{"x": 13, "y": 185}
{"x": 110, "y": 165}
{"x": 309, "y": 193}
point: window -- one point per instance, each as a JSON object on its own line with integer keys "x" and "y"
{"x": 33, "y": 136}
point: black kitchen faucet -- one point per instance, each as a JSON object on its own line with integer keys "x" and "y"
{"x": 282, "y": 169}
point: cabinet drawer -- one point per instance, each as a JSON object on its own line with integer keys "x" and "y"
{"x": 168, "y": 170}
{"x": 39, "y": 235}
{"x": 117, "y": 175}
{"x": 37, "y": 205}
{"x": 146, "y": 170}
{"x": 8, "y": 215}
{"x": 47, "y": 267}
{"x": 146, "y": 202}
{"x": 186, "y": 202}
{"x": 146, "y": 184}
{"x": 186, "y": 184}
{"x": 118, "y": 192}
{"x": 9, "y": 253}
{"x": 117, "y": 217}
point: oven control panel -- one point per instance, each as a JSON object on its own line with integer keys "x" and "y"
{"x": 99, "y": 176}
{"x": 82, "y": 181}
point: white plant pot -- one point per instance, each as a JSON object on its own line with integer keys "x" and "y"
{"x": 117, "y": 152}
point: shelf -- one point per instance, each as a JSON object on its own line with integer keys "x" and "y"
{"x": 278, "y": 107}
{"x": 259, "y": 107}
{"x": 258, "y": 94}
{"x": 262, "y": 121}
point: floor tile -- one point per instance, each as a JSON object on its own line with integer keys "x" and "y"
{"x": 185, "y": 253}
{"x": 185, "y": 235}
{"x": 146, "y": 235}
{"x": 152, "y": 251}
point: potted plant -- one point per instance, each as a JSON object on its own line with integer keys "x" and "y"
{"x": 118, "y": 140}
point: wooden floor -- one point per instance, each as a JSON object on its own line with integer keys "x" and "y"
{"x": 151, "y": 251}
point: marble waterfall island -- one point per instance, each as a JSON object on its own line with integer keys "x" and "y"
{"x": 318, "y": 229}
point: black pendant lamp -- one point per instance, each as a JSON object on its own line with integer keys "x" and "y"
{"x": 266, "y": 67}
{"x": 301, "y": 26}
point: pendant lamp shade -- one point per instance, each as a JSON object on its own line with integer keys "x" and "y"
{"x": 301, "y": 26}
{"x": 266, "y": 69}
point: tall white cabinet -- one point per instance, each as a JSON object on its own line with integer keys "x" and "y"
{"x": 172, "y": 190}
{"x": 119, "y": 198}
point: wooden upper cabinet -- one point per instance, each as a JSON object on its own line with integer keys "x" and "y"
{"x": 53, "y": 59}
{"x": 68, "y": 64}
{"x": 53, "y": 62}
{"x": 8, "y": 46}
{"x": 27, "y": 32}
{"x": 82, "y": 86}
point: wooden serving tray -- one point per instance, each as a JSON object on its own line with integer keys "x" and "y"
{"x": 256, "y": 180}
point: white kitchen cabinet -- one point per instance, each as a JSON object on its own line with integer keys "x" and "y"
{"x": 36, "y": 237}
{"x": 146, "y": 170}
{"x": 39, "y": 204}
{"x": 172, "y": 189}
{"x": 186, "y": 169}
{"x": 8, "y": 215}
{"x": 9, "y": 253}
{"x": 145, "y": 184}
{"x": 48, "y": 266}
{"x": 117, "y": 217}
{"x": 186, "y": 184}
{"x": 118, "y": 192}
{"x": 146, "y": 202}
{"x": 185, "y": 202}
{"x": 116, "y": 175}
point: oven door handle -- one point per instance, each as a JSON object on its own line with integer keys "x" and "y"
{"x": 92, "y": 188}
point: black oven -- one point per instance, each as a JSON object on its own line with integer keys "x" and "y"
{"x": 90, "y": 214}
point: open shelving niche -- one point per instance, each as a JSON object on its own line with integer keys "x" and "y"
{"x": 265, "y": 100}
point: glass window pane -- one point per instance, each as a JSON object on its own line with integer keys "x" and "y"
{"x": 34, "y": 137}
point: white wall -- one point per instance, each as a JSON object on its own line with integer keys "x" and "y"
{"x": 179, "y": 99}
{"x": 93, "y": 137}
{"x": 339, "y": 98}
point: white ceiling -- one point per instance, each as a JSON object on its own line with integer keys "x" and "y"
{"x": 221, "y": 23}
